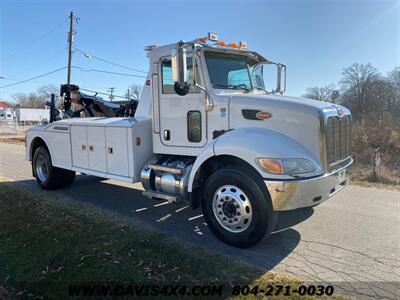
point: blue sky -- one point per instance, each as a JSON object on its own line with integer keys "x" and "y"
{"x": 316, "y": 39}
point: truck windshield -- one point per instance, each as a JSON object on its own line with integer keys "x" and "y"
{"x": 230, "y": 71}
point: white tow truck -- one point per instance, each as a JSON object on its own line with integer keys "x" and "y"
{"x": 208, "y": 130}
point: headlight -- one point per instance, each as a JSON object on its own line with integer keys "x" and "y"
{"x": 286, "y": 165}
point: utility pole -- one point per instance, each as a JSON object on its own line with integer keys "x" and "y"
{"x": 128, "y": 94}
{"x": 111, "y": 90}
{"x": 70, "y": 41}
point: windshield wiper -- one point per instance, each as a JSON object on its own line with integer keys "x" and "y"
{"x": 260, "y": 88}
{"x": 232, "y": 87}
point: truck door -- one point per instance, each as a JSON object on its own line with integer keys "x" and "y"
{"x": 182, "y": 118}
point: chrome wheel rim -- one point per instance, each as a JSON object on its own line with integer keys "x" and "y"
{"x": 41, "y": 169}
{"x": 232, "y": 208}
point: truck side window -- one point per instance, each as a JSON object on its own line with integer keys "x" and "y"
{"x": 194, "y": 126}
{"x": 167, "y": 84}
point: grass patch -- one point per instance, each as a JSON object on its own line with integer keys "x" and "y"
{"x": 49, "y": 243}
{"x": 362, "y": 175}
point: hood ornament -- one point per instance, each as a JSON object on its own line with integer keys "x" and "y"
{"x": 339, "y": 111}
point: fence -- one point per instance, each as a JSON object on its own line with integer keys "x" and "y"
{"x": 11, "y": 127}
{"x": 8, "y": 127}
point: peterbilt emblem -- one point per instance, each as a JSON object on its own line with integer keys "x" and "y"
{"x": 263, "y": 115}
{"x": 254, "y": 114}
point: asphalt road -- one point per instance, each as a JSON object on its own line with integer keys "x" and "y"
{"x": 351, "y": 241}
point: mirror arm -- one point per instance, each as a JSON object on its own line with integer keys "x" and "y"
{"x": 209, "y": 103}
{"x": 284, "y": 79}
{"x": 278, "y": 78}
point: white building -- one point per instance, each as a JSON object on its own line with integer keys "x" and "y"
{"x": 6, "y": 114}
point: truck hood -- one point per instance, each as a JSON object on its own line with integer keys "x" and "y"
{"x": 298, "y": 118}
{"x": 280, "y": 101}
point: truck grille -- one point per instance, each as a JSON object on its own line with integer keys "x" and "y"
{"x": 338, "y": 139}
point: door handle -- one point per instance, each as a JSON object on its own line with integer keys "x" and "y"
{"x": 91, "y": 148}
{"x": 167, "y": 135}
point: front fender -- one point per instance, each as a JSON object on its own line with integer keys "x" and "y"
{"x": 201, "y": 158}
{"x": 250, "y": 143}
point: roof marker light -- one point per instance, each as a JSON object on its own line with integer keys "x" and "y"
{"x": 233, "y": 45}
{"x": 202, "y": 40}
{"x": 150, "y": 47}
{"x": 222, "y": 43}
{"x": 243, "y": 44}
{"x": 213, "y": 37}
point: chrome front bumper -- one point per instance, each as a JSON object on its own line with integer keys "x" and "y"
{"x": 292, "y": 194}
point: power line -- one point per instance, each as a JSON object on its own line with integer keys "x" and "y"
{"x": 100, "y": 93}
{"x": 108, "y": 72}
{"x": 89, "y": 55}
{"x": 76, "y": 67}
{"x": 40, "y": 63}
{"x": 33, "y": 78}
{"x": 34, "y": 41}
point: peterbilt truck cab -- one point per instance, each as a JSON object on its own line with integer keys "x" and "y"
{"x": 211, "y": 130}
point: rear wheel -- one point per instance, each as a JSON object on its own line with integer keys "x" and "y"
{"x": 47, "y": 176}
{"x": 236, "y": 208}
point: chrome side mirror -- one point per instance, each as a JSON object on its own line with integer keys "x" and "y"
{"x": 179, "y": 70}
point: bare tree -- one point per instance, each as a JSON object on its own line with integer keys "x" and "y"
{"x": 31, "y": 100}
{"x": 358, "y": 84}
{"x": 394, "y": 79}
{"x": 38, "y": 99}
{"x": 327, "y": 93}
{"x": 374, "y": 101}
{"x": 44, "y": 93}
{"x": 135, "y": 91}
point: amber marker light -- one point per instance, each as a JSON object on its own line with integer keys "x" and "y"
{"x": 202, "y": 40}
{"x": 233, "y": 45}
{"x": 271, "y": 165}
{"x": 222, "y": 43}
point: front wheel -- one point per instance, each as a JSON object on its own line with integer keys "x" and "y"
{"x": 236, "y": 208}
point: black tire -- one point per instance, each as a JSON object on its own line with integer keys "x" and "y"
{"x": 47, "y": 176}
{"x": 56, "y": 177}
{"x": 263, "y": 218}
